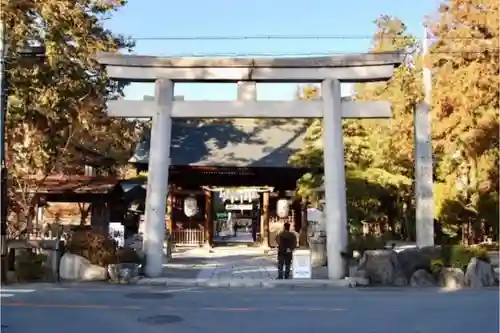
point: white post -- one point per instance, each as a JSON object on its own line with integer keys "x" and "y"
{"x": 423, "y": 160}
{"x": 159, "y": 162}
{"x": 334, "y": 179}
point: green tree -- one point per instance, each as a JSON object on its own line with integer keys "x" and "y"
{"x": 390, "y": 142}
{"x": 59, "y": 100}
{"x": 378, "y": 153}
{"x": 311, "y": 156}
{"x": 466, "y": 72}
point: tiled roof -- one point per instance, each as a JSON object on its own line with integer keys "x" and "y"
{"x": 75, "y": 184}
{"x": 239, "y": 142}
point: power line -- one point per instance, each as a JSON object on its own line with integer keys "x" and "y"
{"x": 303, "y": 54}
{"x": 315, "y": 54}
{"x": 410, "y": 55}
{"x": 285, "y": 37}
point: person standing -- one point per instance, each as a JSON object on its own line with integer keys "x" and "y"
{"x": 287, "y": 242}
{"x": 254, "y": 230}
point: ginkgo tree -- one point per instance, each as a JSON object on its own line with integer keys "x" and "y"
{"x": 466, "y": 95}
{"x": 58, "y": 100}
{"x": 379, "y": 154}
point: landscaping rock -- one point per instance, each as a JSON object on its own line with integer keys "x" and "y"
{"x": 76, "y": 268}
{"x": 382, "y": 267}
{"x": 137, "y": 246}
{"x": 451, "y": 278}
{"x": 479, "y": 274}
{"x": 414, "y": 259}
{"x": 94, "y": 273}
{"x": 422, "y": 278}
{"x": 72, "y": 266}
{"x": 124, "y": 273}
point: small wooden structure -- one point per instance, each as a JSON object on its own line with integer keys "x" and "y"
{"x": 99, "y": 198}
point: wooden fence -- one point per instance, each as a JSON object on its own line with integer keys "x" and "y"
{"x": 187, "y": 237}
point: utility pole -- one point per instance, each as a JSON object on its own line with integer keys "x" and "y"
{"x": 423, "y": 156}
{"x": 3, "y": 188}
{"x": 36, "y": 51}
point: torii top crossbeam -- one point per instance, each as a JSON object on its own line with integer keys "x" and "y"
{"x": 369, "y": 67}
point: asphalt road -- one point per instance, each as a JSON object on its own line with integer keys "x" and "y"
{"x": 131, "y": 309}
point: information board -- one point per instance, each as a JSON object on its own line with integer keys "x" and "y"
{"x": 301, "y": 264}
{"x": 117, "y": 232}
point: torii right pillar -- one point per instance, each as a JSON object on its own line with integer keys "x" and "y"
{"x": 334, "y": 178}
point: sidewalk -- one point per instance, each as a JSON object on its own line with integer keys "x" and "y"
{"x": 233, "y": 267}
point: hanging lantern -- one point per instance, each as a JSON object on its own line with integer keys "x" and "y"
{"x": 282, "y": 208}
{"x": 190, "y": 206}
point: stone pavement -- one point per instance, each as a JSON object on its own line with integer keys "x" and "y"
{"x": 233, "y": 267}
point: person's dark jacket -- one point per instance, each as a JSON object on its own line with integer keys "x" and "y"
{"x": 287, "y": 242}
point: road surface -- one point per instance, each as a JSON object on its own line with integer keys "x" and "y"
{"x": 132, "y": 309}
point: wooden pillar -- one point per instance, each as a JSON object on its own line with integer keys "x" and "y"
{"x": 297, "y": 214}
{"x": 170, "y": 216}
{"x": 97, "y": 215}
{"x": 304, "y": 225}
{"x": 208, "y": 226}
{"x": 264, "y": 221}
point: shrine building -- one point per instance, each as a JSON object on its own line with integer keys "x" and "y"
{"x": 210, "y": 157}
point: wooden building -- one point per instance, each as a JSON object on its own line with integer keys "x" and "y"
{"x": 87, "y": 194}
{"x": 231, "y": 153}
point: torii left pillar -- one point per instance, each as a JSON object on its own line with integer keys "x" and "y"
{"x": 158, "y": 171}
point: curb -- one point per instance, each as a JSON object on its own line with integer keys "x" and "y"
{"x": 248, "y": 283}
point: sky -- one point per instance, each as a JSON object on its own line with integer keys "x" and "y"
{"x": 143, "y": 19}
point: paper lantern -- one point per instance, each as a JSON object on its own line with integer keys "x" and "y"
{"x": 282, "y": 208}
{"x": 190, "y": 206}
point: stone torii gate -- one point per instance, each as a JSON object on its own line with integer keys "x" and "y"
{"x": 330, "y": 71}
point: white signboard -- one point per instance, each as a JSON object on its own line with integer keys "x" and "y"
{"x": 301, "y": 264}
{"x": 141, "y": 225}
{"x": 117, "y": 232}
{"x": 239, "y": 207}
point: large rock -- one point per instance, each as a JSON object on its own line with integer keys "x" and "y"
{"x": 414, "y": 259}
{"x": 382, "y": 267}
{"x": 76, "y": 268}
{"x": 125, "y": 273}
{"x": 422, "y": 278}
{"x": 451, "y": 278}
{"x": 72, "y": 266}
{"x": 479, "y": 274}
{"x": 136, "y": 244}
{"x": 494, "y": 258}
{"x": 94, "y": 273}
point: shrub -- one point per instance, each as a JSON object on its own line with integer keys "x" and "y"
{"x": 30, "y": 266}
{"x": 128, "y": 255}
{"x": 459, "y": 256}
{"x": 436, "y": 267}
{"x": 365, "y": 243}
{"x": 93, "y": 245}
